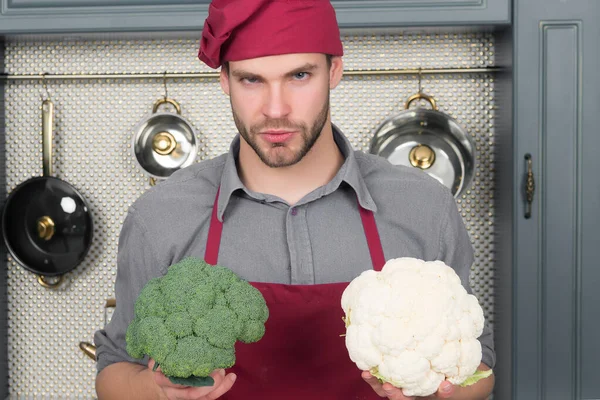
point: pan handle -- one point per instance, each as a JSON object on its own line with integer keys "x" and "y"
{"x": 166, "y": 100}
{"x": 421, "y": 96}
{"x": 49, "y": 285}
{"x": 47, "y": 125}
{"x": 89, "y": 349}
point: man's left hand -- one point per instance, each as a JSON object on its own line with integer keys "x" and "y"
{"x": 386, "y": 390}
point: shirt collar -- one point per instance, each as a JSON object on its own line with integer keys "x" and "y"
{"x": 348, "y": 173}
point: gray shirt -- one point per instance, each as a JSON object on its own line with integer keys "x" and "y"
{"x": 318, "y": 240}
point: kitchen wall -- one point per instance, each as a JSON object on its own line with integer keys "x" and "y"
{"x": 95, "y": 121}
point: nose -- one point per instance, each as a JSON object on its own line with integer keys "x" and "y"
{"x": 276, "y": 104}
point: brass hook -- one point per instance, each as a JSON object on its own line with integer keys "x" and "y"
{"x": 420, "y": 77}
{"x": 165, "y": 84}
{"x": 44, "y": 83}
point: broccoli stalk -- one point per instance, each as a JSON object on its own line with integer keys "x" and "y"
{"x": 191, "y": 381}
{"x": 189, "y": 320}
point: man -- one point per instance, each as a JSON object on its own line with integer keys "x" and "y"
{"x": 291, "y": 208}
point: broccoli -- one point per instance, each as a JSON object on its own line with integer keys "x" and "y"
{"x": 189, "y": 320}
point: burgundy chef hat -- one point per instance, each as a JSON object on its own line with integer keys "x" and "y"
{"x": 243, "y": 29}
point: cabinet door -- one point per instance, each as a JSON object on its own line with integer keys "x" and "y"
{"x": 556, "y": 271}
{"x": 376, "y": 13}
{"x": 66, "y": 16}
{"x": 62, "y": 16}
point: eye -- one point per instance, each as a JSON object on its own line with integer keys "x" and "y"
{"x": 249, "y": 80}
{"x": 301, "y": 76}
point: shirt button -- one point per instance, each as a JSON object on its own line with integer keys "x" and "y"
{"x": 294, "y": 211}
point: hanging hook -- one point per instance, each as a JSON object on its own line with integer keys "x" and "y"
{"x": 420, "y": 77}
{"x": 165, "y": 84}
{"x": 44, "y": 82}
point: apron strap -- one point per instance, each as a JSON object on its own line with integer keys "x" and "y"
{"x": 213, "y": 243}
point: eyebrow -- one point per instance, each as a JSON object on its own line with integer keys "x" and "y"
{"x": 308, "y": 67}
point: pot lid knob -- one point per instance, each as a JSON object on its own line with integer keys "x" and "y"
{"x": 422, "y": 156}
{"x": 45, "y": 227}
{"x": 164, "y": 143}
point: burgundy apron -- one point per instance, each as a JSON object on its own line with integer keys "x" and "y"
{"x": 302, "y": 355}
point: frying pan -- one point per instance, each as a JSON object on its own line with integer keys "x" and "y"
{"x": 46, "y": 222}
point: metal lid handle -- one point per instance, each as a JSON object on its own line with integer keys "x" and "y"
{"x": 166, "y": 100}
{"x": 42, "y": 280}
{"x": 421, "y": 96}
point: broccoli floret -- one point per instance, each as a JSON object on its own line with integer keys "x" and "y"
{"x": 220, "y": 300}
{"x": 149, "y": 303}
{"x": 220, "y": 327}
{"x": 134, "y": 345}
{"x": 154, "y": 338}
{"x": 201, "y": 300}
{"x": 252, "y": 331}
{"x": 247, "y": 302}
{"x": 189, "y": 320}
{"x": 180, "y": 324}
{"x": 221, "y": 277}
{"x": 193, "y": 354}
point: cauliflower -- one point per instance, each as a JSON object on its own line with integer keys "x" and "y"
{"x": 189, "y": 320}
{"x": 414, "y": 325}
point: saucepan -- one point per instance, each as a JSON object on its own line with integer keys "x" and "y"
{"x": 164, "y": 142}
{"x": 430, "y": 141}
{"x": 46, "y": 223}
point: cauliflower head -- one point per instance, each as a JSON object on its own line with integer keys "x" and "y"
{"x": 189, "y": 320}
{"x": 414, "y": 325}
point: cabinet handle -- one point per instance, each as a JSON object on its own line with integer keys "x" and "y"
{"x": 529, "y": 186}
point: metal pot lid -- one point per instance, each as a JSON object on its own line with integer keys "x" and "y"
{"x": 430, "y": 141}
{"x": 435, "y": 156}
{"x": 47, "y": 226}
{"x": 164, "y": 142}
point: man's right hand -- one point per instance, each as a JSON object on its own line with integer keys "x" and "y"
{"x": 131, "y": 381}
{"x": 222, "y": 385}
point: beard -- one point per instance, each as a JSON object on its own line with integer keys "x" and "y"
{"x": 277, "y": 159}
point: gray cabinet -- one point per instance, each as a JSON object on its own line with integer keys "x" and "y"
{"x": 66, "y": 16}
{"x": 556, "y": 272}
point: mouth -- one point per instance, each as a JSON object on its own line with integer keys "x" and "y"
{"x": 277, "y": 136}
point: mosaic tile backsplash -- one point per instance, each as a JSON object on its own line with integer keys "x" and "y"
{"x": 94, "y": 124}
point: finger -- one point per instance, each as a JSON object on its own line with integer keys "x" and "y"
{"x": 159, "y": 377}
{"x": 164, "y": 382}
{"x": 445, "y": 391}
{"x": 374, "y": 383}
{"x": 220, "y": 372}
{"x": 224, "y": 387}
{"x": 193, "y": 393}
{"x": 393, "y": 393}
{"x": 205, "y": 391}
{"x": 151, "y": 363}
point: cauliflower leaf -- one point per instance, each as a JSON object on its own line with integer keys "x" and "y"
{"x": 476, "y": 377}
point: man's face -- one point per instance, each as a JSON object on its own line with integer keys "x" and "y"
{"x": 280, "y": 104}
